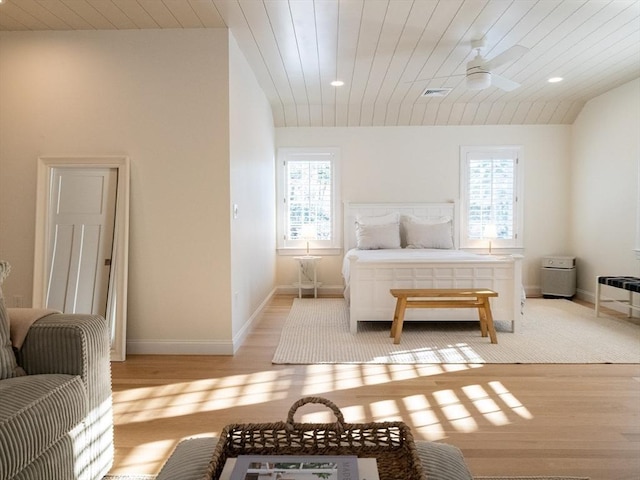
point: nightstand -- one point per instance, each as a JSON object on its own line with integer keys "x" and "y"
{"x": 307, "y": 274}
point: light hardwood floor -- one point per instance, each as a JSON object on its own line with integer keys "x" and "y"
{"x": 507, "y": 419}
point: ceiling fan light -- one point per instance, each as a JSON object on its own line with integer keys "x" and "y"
{"x": 478, "y": 80}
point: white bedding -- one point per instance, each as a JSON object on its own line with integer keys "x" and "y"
{"x": 370, "y": 274}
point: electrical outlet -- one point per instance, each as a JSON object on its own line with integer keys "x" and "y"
{"x": 18, "y": 301}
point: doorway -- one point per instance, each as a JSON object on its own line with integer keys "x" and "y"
{"x": 81, "y": 252}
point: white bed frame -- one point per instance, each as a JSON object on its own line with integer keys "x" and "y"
{"x": 368, "y": 292}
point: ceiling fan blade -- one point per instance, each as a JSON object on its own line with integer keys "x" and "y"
{"x": 503, "y": 83}
{"x": 508, "y": 55}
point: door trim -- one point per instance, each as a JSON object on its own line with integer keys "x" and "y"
{"x": 118, "y": 279}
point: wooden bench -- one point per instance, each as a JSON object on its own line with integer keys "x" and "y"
{"x": 444, "y": 298}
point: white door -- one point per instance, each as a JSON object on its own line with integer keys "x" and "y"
{"x": 82, "y": 215}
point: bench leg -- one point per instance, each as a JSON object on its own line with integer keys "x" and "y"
{"x": 488, "y": 321}
{"x": 483, "y": 320}
{"x": 394, "y": 324}
{"x": 398, "y": 319}
{"x": 598, "y": 288}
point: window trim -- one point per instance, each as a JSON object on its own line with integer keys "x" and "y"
{"x": 316, "y": 247}
{"x": 518, "y": 223}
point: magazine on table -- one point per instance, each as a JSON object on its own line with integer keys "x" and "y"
{"x": 300, "y": 467}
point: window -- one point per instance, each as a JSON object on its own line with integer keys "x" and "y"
{"x": 307, "y": 199}
{"x": 491, "y": 194}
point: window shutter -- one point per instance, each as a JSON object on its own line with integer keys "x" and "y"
{"x": 309, "y": 197}
{"x": 490, "y": 190}
{"x": 308, "y": 184}
{"x": 491, "y": 197}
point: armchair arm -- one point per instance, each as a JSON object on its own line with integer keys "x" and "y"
{"x": 77, "y": 344}
{"x": 73, "y": 344}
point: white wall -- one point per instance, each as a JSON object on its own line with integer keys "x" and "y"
{"x": 605, "y": 162}
{"x": 252, "y": 190}
{"x": 200, "y": 137}
{"x": 162, "y": 98}
{"x": 421, "y": 164}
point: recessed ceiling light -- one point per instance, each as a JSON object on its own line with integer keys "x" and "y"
{"x": 555, "y": 79}
{"x": 337, "y": 83}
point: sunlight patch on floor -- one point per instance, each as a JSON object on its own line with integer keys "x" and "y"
{"x": 423, "y": 417}
{"x": 430, "y": 415}
{"x": 485, "y": 405}
{"x": 326, "y": 378}
{"x": 510, "y": 400}
{"x": 386, "y": 411}
{"x": 131, "y": 463}
{"x": 454, "y": 411}
{"x": 185, "y": 398}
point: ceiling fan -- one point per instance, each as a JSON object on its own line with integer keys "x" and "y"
{"x": 479, "y": 73}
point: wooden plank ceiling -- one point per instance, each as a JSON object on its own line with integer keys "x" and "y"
{"x": 386, "y": 50}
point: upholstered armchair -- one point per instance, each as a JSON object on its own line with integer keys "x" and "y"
{"x": 56, "y": 418}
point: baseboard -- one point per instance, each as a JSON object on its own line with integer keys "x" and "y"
{"x": 229, "y": 347}
{"x": 198, "y": 347}
{"x": 324, "y": 290}
{"x": 532, "y": 291}
{"x": 586, "y": 296}
{"x": 239, "y": 338}
{"x": 179, "y": 347}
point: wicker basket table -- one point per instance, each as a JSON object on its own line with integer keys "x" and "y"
{"x": 391, "y": 443}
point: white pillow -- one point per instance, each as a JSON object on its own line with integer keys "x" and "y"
{"x": 378, "y": 220}
{"x": 428, "y": 233}
{"x": 373, "y": 237}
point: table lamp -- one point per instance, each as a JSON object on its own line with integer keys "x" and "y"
{"x": 308, "y": 232}
{"x": 490, "y": 231}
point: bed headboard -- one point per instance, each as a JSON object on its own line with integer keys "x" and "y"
{"x": 426, "y": 211}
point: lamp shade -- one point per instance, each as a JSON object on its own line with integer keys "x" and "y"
{"x": 490, "y": 231}
{"x": 308, "y": 232}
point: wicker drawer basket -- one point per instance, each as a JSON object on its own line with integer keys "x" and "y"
{"x": 391, "y": 443}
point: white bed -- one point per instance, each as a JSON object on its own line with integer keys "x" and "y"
{"x": 370, "y": 274}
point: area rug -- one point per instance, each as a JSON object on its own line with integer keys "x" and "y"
{"x": 129, "y": 477}
{"x": 553, "y": 331}
{"x": 151, "y": 477}
{"x": 531, "y": 478}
